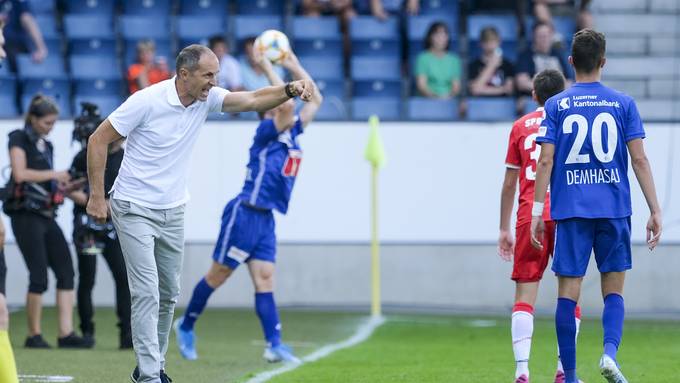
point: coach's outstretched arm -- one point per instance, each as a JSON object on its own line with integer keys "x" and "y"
{"x": 97, "y": 150}
{"x": 643, "y": 173}
{"x": 267, "y": 98}
{"x": 543, "y": 172}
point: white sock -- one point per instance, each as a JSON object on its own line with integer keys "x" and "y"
{"x": 522, "y": 331}
{"x": 559, "y": 361}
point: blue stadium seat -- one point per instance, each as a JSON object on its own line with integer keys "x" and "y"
{"x": 377, "y": 88}
{"x": 332, "y": 109}
{"x": 385, "y": 108}
{"x": 260, "y": 7}
{"x": 491, "y": 109}
{"x": 52, "y": 67}
{"x": 147, "y": 7}
{"x": 505, "y": 24}
{"x": 162, "y": 50}
{"x": 88, "y": 26}
{"x": 100, "y": 7}
{"x": 439, "y": 7}
{"x": 330, "y": 88}
{"x": 9, "y": 106}
{"x": 103, "y": 47}
{"x": 425, "y": 109}
{"x": 565, "y": 26}
{"x": 98, "y": 87}
{"x": 204, "y": 7}
{"x": 8, "y": 86}
{"x": 323, "y": 69}
{"x": 530, "y": 106}
{"x": 417, "y": 27}
{"x": 197, "y": 29}
{"x": 4, "y": 71}
{"x": 317, "y": 36}
{"x": 247, "y": 26}
{"x": 54, "y": 46}
{"x": 106, "y": 104}
{"x": 144, "y": 27}
{"x": 48, "y": 26}
{"x": 59, "y": 90}
{"x": 373, "y": 37}
{"x": 42, "y": 6}
{"x": 94, "y": 67}
{"x": 375, "y": 68}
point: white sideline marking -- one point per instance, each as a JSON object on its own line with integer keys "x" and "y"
{"x": 361, "y": 334}
{"x": 291, "y": 343}
{"x": 45, "y": 378}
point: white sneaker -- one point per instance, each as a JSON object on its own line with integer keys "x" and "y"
{"x": 610, "y": 370}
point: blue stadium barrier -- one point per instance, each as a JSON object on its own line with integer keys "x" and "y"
{"x": 147, "y": 7}
{"x": 371, "y": 36}
{"x": 375, "y": 68}
{"x": 48, "y": 26}
{"x": 260, "y": 7}
{"x": 98, "y": 87}
{"x": 439, "y": 7}
{"x": 377, "y": 88}
{"x": 197, "y": 29}
{"x": 100, "y": 7}
{"x": 144, "y": 27}
{"x": 94, "y": 67}
{"x": 331, "y": 88}
{"x": 9, "y": 107}
{"x": 425, "y": 109}
{"x": 106, "y": 104}
{"x": 42, "y": 6}
{"x": 89, "y": 26}
{"x": 317, "y": 36}
{"x": 247, "y": 26}
{"x": 162, "y": 50}
{"x": 321, "y": 68}
{"x": 388, "y": 109}
{"x": 204, "y": 7}
{"x": 52, "y": 67}
{"x": 60, "y": 94}
{"x": 505, "y": 24}
{"x": 491, "y": 109}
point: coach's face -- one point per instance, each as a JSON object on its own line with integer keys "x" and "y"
{"x": 204, "y": 77}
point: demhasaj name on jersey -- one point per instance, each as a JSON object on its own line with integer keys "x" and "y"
{"x": 593, "y": 176}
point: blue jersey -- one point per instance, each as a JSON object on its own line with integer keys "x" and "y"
{"x": 590, "y": 125}
{"x": 274, "y": 162}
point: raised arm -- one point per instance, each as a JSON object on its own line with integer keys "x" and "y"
{"x": 643, "y": 173}
{"x": 31, "y": 26}
{"x": 97, "y": 150}
{"x": 267, "y": 98}
{"x": 543, "y": 173}
{"x": 299, "y": 73}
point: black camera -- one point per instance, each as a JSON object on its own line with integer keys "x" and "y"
{"x": 87, "y": 122}
{"x": 90, "y": 236}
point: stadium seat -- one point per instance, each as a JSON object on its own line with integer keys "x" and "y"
{"x": 8, "y": 85}
{"x": 197, "y": 29}
{"x": 417, "y": 27}
{"x": 204, "y": 7}
{"x": 439, "y": 7}
{"x": 530, "y": 106}
{"x": 162, "y": 50}
{"x": 332, "y": 109}
{"x": 317, "y": 36}
{"x": 385, "y": 108}
{"x": 323, "y": 69}
{"x": 4, "y": 71}
{"x": 146, "y": 7}
{"x": 88, "y": 26}
{"x": 260, "y": 7}
{"x": 491, "y": 109}
{"x": 102, "y": 47}
{"x": 9, "y": 106}
{"x": 48, "y": 26}
{"x": 59, "y": 90}
{"x": 330, "y": 88}
{"x": 371, "y": 36}
{"x": 505, "y": 24}
{"x": 42, "y": 6}
{"x": 94, "y": 67}
{"x": 100, "y": 7}
{"x": 98, "y": 87}
{"x": 144, "y": 27}
{"x": 106, "y": 104}
{"x": 247, "y": 26}
{"x": 52, "y": 67}
{"x": 375, "y": 68}
{"x": 425, "y": 109}
{"x": 565, "y": 26}
{"x": 377, "y": 88}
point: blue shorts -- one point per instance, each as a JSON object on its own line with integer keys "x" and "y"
{"x": 246, "y": 233}
{"x": 576, "y": 238}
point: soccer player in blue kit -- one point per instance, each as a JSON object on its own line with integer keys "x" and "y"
{"x": 247, "y": 232}
{"x": 586, "y": 136}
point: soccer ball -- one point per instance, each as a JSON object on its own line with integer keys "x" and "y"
{"x": 273, "y": 45}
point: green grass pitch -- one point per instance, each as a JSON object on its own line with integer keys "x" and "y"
{"x": 407, "y": 348}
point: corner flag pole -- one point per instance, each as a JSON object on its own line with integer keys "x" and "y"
{"x": 375, "y": 154}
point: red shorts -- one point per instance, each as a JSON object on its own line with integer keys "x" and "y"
{"x": 530, "y": 263}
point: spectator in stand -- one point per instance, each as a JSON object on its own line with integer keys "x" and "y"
{"x": 438, "y": 71}
{"x": 22, "y": 33}
{"x": 342, "y": 8}
{"x": 544, "y": 9}
{"x": 491, "y": 74}
{"x": 149, "y": 69}
{"x": 230, "y": 72}
{"x": 382, "y": 8}
{"x": 541, "y": 56}
{"x": 251, "y": 74}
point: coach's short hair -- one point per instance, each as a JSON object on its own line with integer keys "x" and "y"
{"x": 189, "y": 57}
{"x": 587, "y": 50}
{"x": 548, "y": 83}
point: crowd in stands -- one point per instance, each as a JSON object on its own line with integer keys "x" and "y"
{"x": 369, "y": 56}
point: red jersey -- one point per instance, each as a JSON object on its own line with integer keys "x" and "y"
{"x": 523, "y": 154}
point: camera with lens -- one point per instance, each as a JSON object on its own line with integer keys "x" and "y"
{"x": 90, "y": 236}
{"x": 87, "y": 122}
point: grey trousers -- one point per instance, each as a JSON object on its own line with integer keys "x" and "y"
{"x": 153, "y": 247}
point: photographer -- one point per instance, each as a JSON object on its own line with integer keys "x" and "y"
{"x": 35, "y": 191}
{"x": 92, "y": 239}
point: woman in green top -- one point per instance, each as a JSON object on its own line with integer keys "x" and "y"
{"x": 438, "y": 71}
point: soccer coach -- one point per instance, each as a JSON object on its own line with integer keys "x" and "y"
{"x": 162, "y": 123}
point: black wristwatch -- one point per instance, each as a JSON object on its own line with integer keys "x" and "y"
{"x": 290, "y": 90}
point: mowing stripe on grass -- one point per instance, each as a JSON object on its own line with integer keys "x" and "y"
{"x": 362, "y": 333}
{"x": 45, "y": 378}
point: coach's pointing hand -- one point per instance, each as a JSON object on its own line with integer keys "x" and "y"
{"x": 304, "y": 89}
{"x": 98, "y": 208}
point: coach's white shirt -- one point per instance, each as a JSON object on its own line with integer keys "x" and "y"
{"x": 161, "y": 134}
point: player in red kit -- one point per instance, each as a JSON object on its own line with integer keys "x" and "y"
{"x": 529, "y": 263}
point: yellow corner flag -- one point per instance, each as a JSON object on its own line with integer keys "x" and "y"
{"x": 375, "y": 151}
